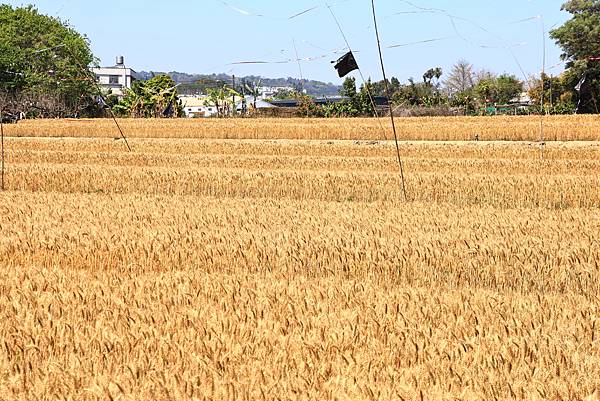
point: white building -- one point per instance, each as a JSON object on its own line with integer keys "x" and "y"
{"x": 267, "y": 92}
{"x": 522, "y": 100}
{"x": 248, "y": 103}
{"x": 115, "y": 79}
{"x": 198, "y": 106}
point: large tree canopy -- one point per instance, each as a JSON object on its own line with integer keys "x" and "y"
{"x": 43, "y": 63}
{"x": 580, "y": 40}
{"x": 580, "y": 36}
{"x": 501, "y": 89}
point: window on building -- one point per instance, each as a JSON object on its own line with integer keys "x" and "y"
{"x": 113, "y": 79}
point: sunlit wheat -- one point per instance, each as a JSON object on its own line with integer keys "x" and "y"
{"x": 278, "y": 269}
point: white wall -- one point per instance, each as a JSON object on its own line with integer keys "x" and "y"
{"x": 193, "y": 111}
{"x": 125, "y": 78}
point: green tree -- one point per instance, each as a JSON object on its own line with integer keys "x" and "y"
{"x": 579, "y": 38}
{"x": 432, "y": 73}
{"x": 307, "y": 106}
{"x": 558, "y": 98}
{"x": 485, "y": 90}
{"x": 507, "y": 88}
{"x": 222, "y": 99}
{"x": 363, "y": 102}
{"x": 44, "y": 64}
{"x": 394, "y": 84}
{"x": 358, "y": 103}
{"x": 349, "y": 88}
{"x": 155, "y": 98}
{"x": 498, "y": 90}
{"x": 285, "y": 94}
{"x": 465, "y": 101}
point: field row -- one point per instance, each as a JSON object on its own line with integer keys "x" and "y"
{"x": 493, "y": 174}
{"x": 416, "y": 244}
{"x": 424, "y": 164}
{"x": 497, "y": 190}
{"x": 504, "y": 128}
{"x": 142, "y": 147}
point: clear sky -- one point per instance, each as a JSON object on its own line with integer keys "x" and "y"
{"x": 205, "y": 36}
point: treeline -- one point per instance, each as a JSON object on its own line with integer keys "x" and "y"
{"x": 464, "y": 91}
{"x": 192, "y": 84}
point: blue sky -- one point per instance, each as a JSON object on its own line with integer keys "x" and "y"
{"x": 205, "y": 36}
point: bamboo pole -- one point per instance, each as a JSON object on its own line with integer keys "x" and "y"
{"x": 2, "y": 135}
{"x": 389, "y": 102}
{"x": 543, "y": 79}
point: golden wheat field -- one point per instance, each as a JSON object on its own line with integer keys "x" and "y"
{"x": 277, "y": 260}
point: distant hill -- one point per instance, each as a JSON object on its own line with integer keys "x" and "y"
{"x": 193, "y": 83}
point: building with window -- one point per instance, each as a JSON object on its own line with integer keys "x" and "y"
{"x": 267, "y": 92}
{"x": 198, "y": 106}
{"x": 115, "y": 79}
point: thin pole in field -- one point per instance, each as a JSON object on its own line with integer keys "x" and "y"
{"x": 337, "y": 22}
{"x": 94, "y": 82}
{"x": 542, "y": 110}
{"x": 389, "y": 102}
{"x": 299, "y": 64}
{"x": 233, "y": 108}
{"x": 301, "y": 75}
{"x": 114, "y": 119}
{"x": 2, "y": 135}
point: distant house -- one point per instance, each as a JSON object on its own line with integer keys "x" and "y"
{"x": 519, "y": 104}
{"x": 198, "y": 106}
{"x": 248, "y": 103}
{"x": 321, "y": 101}
{"x": 115, "y": 79}
{"x": 267, "y": 92}
{"x": 523, "y": 100}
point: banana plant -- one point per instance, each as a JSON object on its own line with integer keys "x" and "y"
{"x": 156, "y": 98}
{"x": 222, "y": 99}
{"x": 254, "y": 91}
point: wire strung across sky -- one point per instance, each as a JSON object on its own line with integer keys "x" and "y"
{"x": 262, "y": 15}
{"x": 506, "y": 46}
{"x": 417, "y": 9}
{"x": 453, "y": 18}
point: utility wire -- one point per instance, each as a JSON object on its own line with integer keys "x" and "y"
{"x": 512, "y": 53}
{"x": 453, "y": 18}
